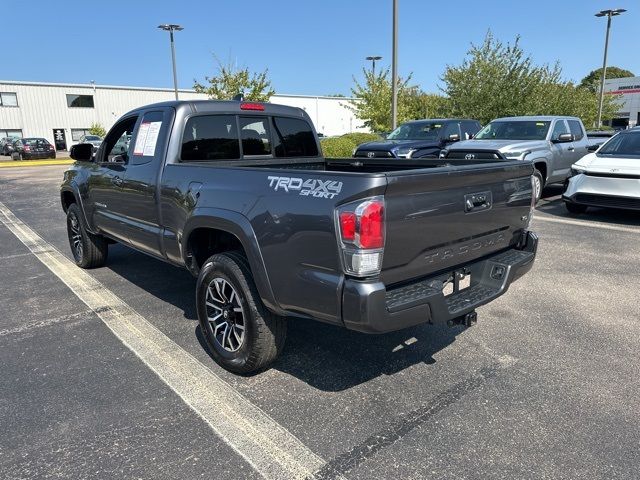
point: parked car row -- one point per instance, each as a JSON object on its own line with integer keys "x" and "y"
{"x": 598, "y": 168}
{"x": 27, "y": 148}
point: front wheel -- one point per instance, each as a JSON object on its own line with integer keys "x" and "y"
{"x": 242, "y": 334}
{"x": 538, "y": 184}
{"x": 89, "y": 250}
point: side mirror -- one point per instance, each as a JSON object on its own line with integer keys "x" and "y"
{"x": 564, "y": 138}
{"x": 454, "y": 137}
{"x": 118, "y": 159}
{"x": 82, "y": 152}
{"x": 593, "y": 148}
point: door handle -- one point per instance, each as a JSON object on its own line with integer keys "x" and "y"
{"x": 193, "y": 192}
{"x": 116, "y": 181}
{"x": 570, "y": 149}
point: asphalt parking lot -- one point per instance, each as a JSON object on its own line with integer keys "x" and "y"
{"x": 546, "y": 385}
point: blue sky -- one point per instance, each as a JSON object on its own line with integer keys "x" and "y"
{"x": 309, "y": 48}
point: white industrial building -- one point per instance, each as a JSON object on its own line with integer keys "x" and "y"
{"x": 62, "y": 113}
{"x": 629, "y": 90}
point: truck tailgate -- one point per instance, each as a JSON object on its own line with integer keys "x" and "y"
{"x": 442, "y": 218}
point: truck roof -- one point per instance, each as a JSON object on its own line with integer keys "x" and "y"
{"x": 441, "y": 120}
{"x": 226, "y": 106}
{"x": 540, "y": 118}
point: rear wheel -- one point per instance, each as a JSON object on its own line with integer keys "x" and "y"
{"x": 16, "y": 156}
{"x": 575, "y": 208}
{"x": 242, "y": 334}
{"x": 538, "y": 184}
{"x": 89, "y": 250}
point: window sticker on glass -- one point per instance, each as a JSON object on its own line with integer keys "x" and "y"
{"x": 147, "y": 139}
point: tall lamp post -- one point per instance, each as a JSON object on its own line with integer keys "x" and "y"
{"x": 608, "y": 14}
{"x": 394, "y": 68}
{"x": 373, "y": 63}
{"x": 170, "y": 27}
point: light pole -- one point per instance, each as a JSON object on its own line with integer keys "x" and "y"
{"x": 394, "y": 68}
{"x": 170, "y": 27}
{"x": 608, "y": 14}
{"x": 373, "y": 63}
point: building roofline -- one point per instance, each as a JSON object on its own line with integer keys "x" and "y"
{"x": 153, "y": 89}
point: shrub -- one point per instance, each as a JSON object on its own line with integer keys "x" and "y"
{"x": 343, "y": 146}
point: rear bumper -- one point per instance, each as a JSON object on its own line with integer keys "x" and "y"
{"x": 369, "y": 307}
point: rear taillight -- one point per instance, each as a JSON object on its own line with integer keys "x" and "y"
{"x": 27, "y": 148}
{"x": 50, "y": 147}
{"x": 361, "y": 236}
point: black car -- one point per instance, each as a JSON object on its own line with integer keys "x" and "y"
{"x": 30, "y": 148}
{"x": 6, "y": 145}
{"x": 419, "y": 139}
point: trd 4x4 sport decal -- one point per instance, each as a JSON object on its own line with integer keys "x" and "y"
{"x": 311, "y": 187}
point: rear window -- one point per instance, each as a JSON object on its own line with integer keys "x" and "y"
{"x": 576, "y": 129}
{"x": 255, "y": 135}
{"x": 35, "y": 141}
{"x": 294, "y": 138}
{"x": 211, "y": 137}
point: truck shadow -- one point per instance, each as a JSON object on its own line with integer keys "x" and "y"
{"x": 327, "y": 357}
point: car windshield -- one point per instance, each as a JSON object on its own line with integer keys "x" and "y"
{"x": 622, "y": 145}
{"x": 34, "y": 141}
{"x": 514, "y": 130}
{"x": 93, "y": 138}
{"x": 417, "y": 131}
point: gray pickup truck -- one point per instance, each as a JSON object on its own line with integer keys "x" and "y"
{"x": 239, "y": 194}
{"x": 552, "y": 143}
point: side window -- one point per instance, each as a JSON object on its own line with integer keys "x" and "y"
{"x": 144, "y": 144}
{"x": 559, "y": 128}
{"x": 576, "y": 129}
{"x": 469, "y": 129}
{"x": 255, "y": 136}
{"x": 210, "y": 137}
{"x": 450, "y": 129}
{"x": 116, "y": 144}
{"x": 294, "y": 138}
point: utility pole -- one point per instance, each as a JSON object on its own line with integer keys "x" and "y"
{"x": 170, "y": 27}
{"x": 394, "y": 69}
{"x": 608, "y": 14}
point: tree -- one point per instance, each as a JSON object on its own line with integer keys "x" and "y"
{"x": 229, "y": 81}
{"x": 374, "y": 100}
{"x": 500, "y": 80}
{"x": 592, "y": 81}
{"x": 97, "y": 129}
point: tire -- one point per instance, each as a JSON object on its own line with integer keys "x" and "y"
{"x": 89, "y": 250}
{"x": 575, "y": 208}
{"x": 539, "y": 186}
{"x": 16, "y": 156}
{"x": 242, "y": 334}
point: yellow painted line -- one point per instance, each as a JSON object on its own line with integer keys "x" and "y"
{"x": 36, "y": 163}
{"x": 267, "y": 446}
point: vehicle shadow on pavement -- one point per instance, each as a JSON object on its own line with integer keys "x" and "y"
{"x": 327, "y": 357}
{"x": 552, "y": 204}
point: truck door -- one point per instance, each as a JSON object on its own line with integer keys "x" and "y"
{"x": 580, "y": 142}
{"x": 563, "y": 153}
{"x": 104, "y": 185}
{"x": 139, "y": 193}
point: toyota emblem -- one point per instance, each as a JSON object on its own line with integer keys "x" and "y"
{"x": 371, "y": 154}
{"x": 469, "y": 156}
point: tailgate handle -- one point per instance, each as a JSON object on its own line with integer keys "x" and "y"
{"x": 476, "y": 202}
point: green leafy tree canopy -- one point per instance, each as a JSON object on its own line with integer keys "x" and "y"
{"x": 97, "y": 129}
{"x": 229, "y": 81}
{"x": 592, "y": 80}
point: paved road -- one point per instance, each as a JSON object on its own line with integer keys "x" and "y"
{"x": 545, "y": 386}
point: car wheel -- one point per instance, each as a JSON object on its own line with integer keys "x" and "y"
{"x": 16, "y": 156}
{"x": 575, "y": 207}
{"x": 538, "y": 184}
{"x": 242, "y": 334}
{"x": 89, "y": 250}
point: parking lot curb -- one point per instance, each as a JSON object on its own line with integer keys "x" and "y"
{"x": 36, "y": 163}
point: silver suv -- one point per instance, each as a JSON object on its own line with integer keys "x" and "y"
{"x": 552, "y": 143}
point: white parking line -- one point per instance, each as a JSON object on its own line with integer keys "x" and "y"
{"x": 267, "y": 446}
{"x": 586, "y": 224}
